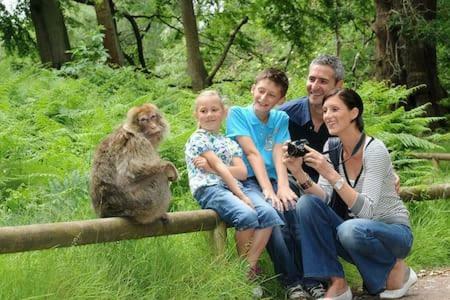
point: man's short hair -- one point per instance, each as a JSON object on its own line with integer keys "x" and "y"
{"x": 331, "y": 61}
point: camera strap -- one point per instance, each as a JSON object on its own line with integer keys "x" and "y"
{"x": 336, "y": 202}
{"x": 335, "y": 144}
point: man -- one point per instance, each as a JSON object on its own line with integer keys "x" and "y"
{"x": 305, "y": 114}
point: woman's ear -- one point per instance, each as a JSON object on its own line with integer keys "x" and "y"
{"x": 355, "y": 113}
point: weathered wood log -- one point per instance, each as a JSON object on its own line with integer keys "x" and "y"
{"x": 435, "y": 157}
{"x": 219, "y": 238}
{"x": 425, "y": 192}
{"x": 439, "y": 156}
{"x": 75, "y": 233}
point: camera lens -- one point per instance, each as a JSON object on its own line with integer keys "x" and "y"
{"x": 297, "y": 148}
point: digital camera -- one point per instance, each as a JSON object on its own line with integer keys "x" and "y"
{"x": 297, "y": 148}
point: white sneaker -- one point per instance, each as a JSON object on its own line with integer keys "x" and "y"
{"x": 347, "y": 295}
{"x": 395, "y": 294}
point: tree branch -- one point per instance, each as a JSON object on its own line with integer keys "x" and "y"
{"x": 225, "y": 52}
{"x": 87, "y": 2}
{"x": 138, "y": 37}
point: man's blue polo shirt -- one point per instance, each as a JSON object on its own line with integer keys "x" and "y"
{"x": 302, "y": 127}
{"x": 242, "y": 121}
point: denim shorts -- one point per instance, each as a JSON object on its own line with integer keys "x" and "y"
{"x": 234, "y": 211}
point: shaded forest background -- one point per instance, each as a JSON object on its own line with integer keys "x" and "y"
{"x": 72, "y": 68}
{"x": 404, "y": 42}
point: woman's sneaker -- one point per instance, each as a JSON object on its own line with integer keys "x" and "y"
{"x": 316, "y": 291}
{"x": 395, "y": 294}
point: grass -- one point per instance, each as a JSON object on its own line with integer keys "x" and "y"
{"x": 181, "y": 266}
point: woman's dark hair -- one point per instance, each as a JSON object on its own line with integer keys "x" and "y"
{"x": 351, "y": 99}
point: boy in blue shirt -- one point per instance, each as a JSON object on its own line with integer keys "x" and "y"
{"x": 261, "y": 132}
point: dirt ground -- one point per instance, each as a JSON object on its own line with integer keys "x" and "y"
{"x": 432, "y": 285}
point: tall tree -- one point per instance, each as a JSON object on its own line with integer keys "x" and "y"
{"x": 51, "y": 33}
{"x": 196, "y": 66}
{"x": 105, "y": 11}
{"x": 405, "y": 55}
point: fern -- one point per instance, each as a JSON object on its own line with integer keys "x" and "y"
{"x": 402, "y": 131}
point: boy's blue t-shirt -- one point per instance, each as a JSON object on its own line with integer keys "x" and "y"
{"x": 242, "y": 121}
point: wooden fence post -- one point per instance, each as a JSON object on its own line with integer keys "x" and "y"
{"x": 219, "y": 238}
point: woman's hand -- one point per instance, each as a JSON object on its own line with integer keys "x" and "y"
{"x": 202, "y": 163}
{"x": 319, "y": 162}
{"x": 292, "y": 163}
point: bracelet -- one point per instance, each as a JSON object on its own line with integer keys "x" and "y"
{"x": 307, "y": 184}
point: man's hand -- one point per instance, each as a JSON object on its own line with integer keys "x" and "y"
{"x": 397, "y": 183}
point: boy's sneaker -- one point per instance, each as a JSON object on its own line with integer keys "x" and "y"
{"x": 297, "y": 292}
{"x": 316, "y": 291}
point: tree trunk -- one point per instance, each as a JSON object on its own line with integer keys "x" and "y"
{"x": 404, "y": 58}
{"x": 196, "y": 66}
{"x": 51, "y": 33}
{"x": 104, "y": 11}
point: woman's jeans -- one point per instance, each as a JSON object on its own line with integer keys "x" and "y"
{"x": 372, "y": 246}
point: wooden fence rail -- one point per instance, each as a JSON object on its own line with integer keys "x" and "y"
{"x": 435, "y": 157}
{"x": 76, "y": 233}
{"x": 425, "y": 192}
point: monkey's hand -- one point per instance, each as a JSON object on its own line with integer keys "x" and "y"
{"x": 171, "y": 171}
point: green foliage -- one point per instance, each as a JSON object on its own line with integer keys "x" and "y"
{"x": 15, "y": 30}
{"x": 403, "y": 132}
{"x": 90, "y": 50}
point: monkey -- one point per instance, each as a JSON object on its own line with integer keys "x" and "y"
{"x": 128, "y": 177}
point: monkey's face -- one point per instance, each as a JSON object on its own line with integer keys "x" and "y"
{"x": 152, "y": 125}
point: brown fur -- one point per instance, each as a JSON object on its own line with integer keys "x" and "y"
{"x": 128, "y": 177}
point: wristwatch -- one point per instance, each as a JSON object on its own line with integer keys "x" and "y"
{"x": 339, "y": 184}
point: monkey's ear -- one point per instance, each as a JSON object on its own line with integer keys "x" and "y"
{"x": 132, "y": 115}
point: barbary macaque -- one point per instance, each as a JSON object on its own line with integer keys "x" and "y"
{"x": 129, "y": 179}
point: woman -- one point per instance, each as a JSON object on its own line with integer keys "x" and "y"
{"x": 373, "y": 230}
